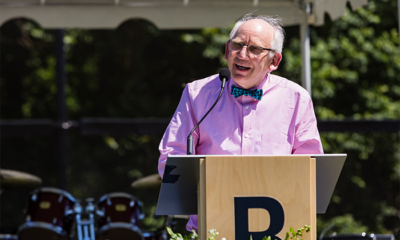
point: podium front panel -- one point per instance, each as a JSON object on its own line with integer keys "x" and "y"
{"x": 252, "y": 193}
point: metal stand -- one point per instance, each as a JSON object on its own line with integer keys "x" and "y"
{"x": 85, "y": 227}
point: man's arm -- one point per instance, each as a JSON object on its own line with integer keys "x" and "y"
{"x": 175, "y": 137}
{"x": 307, "y": 139}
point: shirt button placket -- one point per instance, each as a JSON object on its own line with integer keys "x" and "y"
{"x": 246, "y": 137}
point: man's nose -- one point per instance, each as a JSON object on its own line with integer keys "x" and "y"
{"x": 243, "y": 53}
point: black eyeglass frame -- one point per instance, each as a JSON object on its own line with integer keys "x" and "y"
{"x": 262, "y": 48}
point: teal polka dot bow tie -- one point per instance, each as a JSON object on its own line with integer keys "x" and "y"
{"x": 237, "y": 92}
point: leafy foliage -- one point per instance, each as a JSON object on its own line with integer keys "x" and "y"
{"x": 213, "y": 234}
{"x": 296, "y": 235}
{"x": 178, "y": 236}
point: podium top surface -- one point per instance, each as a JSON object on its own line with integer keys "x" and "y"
{"x": 180, "y": 198}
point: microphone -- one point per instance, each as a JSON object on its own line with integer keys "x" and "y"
{"x": 224, "y": 76}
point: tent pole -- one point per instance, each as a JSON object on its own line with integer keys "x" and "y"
{"x": 398, "y": 15}
{"x": 61, "y": 110}
{"x": 305, "y": 52}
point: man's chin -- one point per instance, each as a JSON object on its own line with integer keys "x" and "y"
{"x": 240, "y": 77}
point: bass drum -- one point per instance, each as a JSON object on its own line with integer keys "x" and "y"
{"x": 119, "y": 218}
{"x": 49, "y": 215}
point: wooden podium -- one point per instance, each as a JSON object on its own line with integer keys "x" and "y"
{"x": 241, "y": 196}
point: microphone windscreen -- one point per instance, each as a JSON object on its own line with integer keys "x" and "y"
{"x": 224, "y": 73}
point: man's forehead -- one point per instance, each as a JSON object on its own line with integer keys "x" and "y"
{"x": 257, "y": 23}
{"x": 256, "y": 27}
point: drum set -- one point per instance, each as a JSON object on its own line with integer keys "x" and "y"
{"x": 54, "y": 214}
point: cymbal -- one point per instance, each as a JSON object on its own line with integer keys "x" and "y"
{"x": 11, "y": 179}
{"x": 148, "y": 182}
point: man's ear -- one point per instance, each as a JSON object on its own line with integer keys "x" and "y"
{"x": 276, "y": 59}
{"x": 226, "y": 51}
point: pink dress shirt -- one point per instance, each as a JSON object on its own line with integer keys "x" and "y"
{"x": 283, "y": 122}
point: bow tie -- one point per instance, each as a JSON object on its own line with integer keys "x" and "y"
{"x": 237, "y": 92}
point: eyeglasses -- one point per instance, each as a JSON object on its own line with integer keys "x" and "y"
{"x": 253, "y": 49}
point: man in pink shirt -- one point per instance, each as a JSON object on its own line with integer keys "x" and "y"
{"x": 273, "y": 116}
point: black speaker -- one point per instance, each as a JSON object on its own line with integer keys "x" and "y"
{"x": 362, "y": 236}
{"x": 384, "y": 236}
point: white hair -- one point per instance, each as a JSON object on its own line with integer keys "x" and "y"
{"x": 275, "y": 22}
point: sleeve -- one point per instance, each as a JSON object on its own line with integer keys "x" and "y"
{"x": 175, "y": 137}
{"x": 307, "y": 139}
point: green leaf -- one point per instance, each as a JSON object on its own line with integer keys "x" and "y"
{"x": 251, "y": 237}
{"x": 287, "y": 236}
{"x": 169, "y": 230}
{"x": 194, "y": 235}
{"x": 173, "y": 235}
{"x": 293, "y": 232}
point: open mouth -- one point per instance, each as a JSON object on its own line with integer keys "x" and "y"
{"x": 242, "y": 67}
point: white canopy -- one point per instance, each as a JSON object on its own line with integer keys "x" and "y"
{"x": 166, "y": 14}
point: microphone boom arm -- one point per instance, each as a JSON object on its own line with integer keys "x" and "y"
{"x": 189, "y": 145}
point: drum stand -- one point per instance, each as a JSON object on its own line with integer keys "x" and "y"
{"x": 85, "y": 227}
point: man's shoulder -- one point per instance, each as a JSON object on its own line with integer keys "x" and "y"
{"x": 208, "y": 82}
{"x": 284, "y": 83}
{"x": 204, "y": 88}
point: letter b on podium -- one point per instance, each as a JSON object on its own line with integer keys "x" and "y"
{"x": 274, "y": 208}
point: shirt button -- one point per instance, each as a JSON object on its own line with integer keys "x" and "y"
{"x": 247, "y": 107}
{"x": 246, "y": 135}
